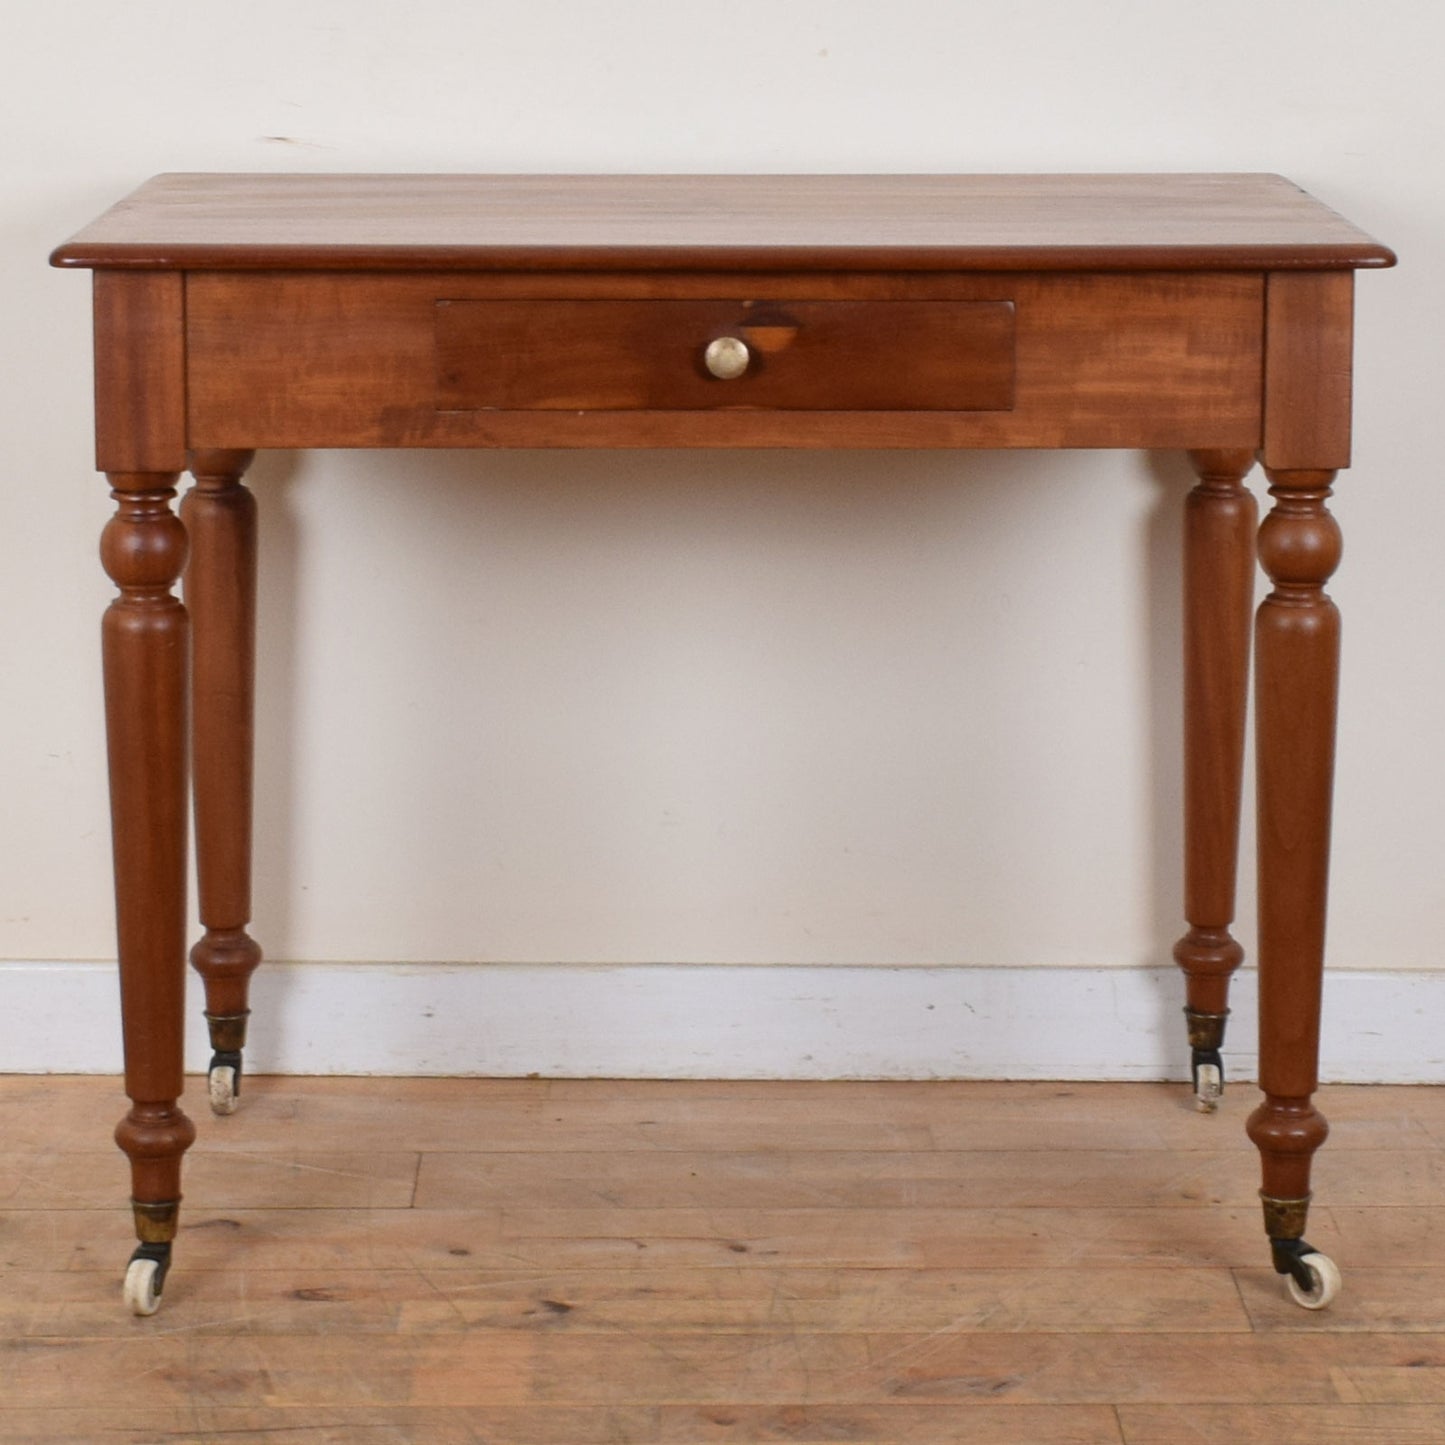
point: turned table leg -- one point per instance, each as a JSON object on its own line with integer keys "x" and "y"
{"x": 220, "y": 594}
{"x": 1297, "y": 641}
{"x": 144, "y": 643}
{"x": 1219, "y": 528}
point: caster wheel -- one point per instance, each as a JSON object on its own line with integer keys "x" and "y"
{"x": 1208, "y": 1088}
{"x": 224, "y": 1081}
{"x": 145, "y": 1276}
{"x": 141, "y": 1295}
{"x": 223, "y": 1090}
{"x": 1325, "y": 1282}
{"x": 1207, "y": 1070}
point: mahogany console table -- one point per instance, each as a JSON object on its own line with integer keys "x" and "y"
{"x": 1209, "y": 313}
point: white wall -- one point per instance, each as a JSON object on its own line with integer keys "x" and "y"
{"x": 693, "y": 708}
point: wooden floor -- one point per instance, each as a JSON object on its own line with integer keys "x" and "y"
{"x": 518, "y": 1262}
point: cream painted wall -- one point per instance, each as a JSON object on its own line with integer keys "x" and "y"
{"x": 684, "y": 707}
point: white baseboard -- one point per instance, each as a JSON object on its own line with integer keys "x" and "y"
{"x": 719, "y": 1021}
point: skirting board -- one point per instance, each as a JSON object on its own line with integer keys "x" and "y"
{"x": 721, "y": 1021}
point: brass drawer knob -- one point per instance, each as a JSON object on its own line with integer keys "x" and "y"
{"x": 727, "y": 357}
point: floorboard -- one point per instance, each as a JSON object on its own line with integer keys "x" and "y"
{"x": 374, "y": 1261}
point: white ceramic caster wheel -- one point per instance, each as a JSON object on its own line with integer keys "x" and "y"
{"x": 223, "y": 1089}
{"x": 1324, "y": 1282}
{"x": 141, "y": 1295}
{"x": 1208, "y": 1087}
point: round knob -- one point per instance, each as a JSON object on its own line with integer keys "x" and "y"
{"x": 727, "y": 357}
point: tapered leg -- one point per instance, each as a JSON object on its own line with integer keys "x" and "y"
{"x": 220, "y": 593}
{"x": 1219, "y": 528}
{"x": 1297, "y": 642}
{"x": 145, "y": 646}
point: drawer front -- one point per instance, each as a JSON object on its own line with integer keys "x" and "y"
{"x": 701, "y": 355}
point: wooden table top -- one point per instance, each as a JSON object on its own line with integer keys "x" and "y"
{"x": 731, "y": 222}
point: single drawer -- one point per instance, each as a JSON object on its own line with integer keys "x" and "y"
{"x": 704, "y": 355}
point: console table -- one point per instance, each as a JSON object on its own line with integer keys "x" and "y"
{"x": 1210, "y": 313}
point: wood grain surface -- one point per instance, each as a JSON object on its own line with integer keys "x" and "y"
{"x": 772, "y": 222}
{"x": 421, "y": 1287}
{"x": 301, "y": 360}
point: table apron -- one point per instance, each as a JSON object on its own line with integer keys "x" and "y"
{"x": 306, "y": 359}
